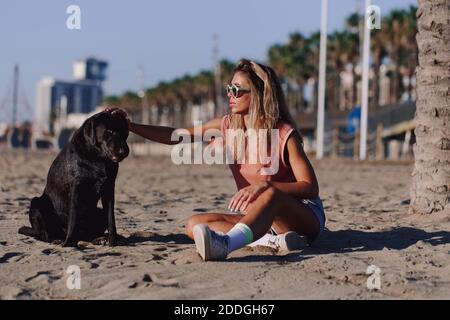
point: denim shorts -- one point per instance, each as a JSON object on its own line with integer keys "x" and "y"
{"x": 316, "y": 206}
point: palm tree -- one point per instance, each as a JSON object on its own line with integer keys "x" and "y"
{"x": 312, "y": 59}
{"x": 354, "y": 25}
{"x": 296, "y": 62}
{"x": 430, "y": 190}
{"x": 292, "y": 63}
{"x": 111, "y": 101}
{"x": 400, "y": 28}
{"x": 410, "y": 45}
{"x": 378, "y": 53}
{"x": 342, "y": 51}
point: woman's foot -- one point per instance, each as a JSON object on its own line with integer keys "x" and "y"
{"x": 288, "y": 241}
{"x": 210, "y": 245}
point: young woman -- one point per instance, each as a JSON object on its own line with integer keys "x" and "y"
{"x": 286, "y": 202}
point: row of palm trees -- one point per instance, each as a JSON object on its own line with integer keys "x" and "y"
{"x": 393, "y": 53}
{"x": 393, "y": 46}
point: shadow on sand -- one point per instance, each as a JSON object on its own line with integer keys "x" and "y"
{"x": 343, "y": 241}
{"x": 173, "y": 238}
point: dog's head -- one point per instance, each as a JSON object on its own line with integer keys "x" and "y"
{"x": 108, "y": 134}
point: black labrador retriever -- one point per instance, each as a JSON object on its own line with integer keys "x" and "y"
{"x": 83, "y": 173}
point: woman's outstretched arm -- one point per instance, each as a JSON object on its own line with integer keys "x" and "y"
{"x": 163, "y": 134}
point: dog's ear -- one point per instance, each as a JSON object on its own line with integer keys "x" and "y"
{"x": 89, "y": 131}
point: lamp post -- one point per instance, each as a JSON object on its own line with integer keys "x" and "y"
{"x": 322, "y": 75}
{"x": 365, "y": 85}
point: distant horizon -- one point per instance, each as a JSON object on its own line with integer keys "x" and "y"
{"x": 112, "y": 32}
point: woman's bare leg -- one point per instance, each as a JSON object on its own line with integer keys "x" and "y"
{"x": 283, "y": 211}
{"x": 220, "y": 222}
{"x": 272, "y": 208}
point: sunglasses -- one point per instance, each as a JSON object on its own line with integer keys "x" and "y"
{"x": 236, "y": 91}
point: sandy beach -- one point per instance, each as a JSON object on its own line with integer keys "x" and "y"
{"x": 368, "y": 224}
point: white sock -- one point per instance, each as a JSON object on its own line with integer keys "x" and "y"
{"x": 239, "y": 236}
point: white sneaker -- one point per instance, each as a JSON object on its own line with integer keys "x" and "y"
{"x": 288, "y": 241}
{"x": 210, "y": 245}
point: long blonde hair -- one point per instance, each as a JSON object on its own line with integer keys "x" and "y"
{"x": 268, "y": 105}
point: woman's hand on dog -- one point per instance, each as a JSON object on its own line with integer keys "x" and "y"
{"x": 120, "y": 112}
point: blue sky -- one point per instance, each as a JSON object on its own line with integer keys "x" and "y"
{"x": 168, "y": 37}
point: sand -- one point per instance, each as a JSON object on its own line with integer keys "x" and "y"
{"x": 368, "y": 224}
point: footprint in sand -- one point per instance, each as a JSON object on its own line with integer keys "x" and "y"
{"x": 47, "y": 276}
{"x": 10, "y": 293}
{"x": 22, "y": 199}
{"x": 105, "y": 254}
{"x": 156, "y": 280}
{"x": 156, "y": 257}
{"x": 49, "y": 251}
{"x": 92, "y": 259}
{"x": 13, "y": 256}
{"x": 27, "y": 240}
{"x": 187, "y": 257}
{"x": 150, "y": 280}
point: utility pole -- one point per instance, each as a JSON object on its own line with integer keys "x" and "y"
{"x": 15, "y": 95}
{"x": 217, "y": 77}
{"x": 365, "y": 85}
{"x": 322, "y": 75}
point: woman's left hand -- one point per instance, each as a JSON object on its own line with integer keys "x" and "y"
{"x": 245, "y": 196}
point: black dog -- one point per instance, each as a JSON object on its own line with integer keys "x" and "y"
{"x": 83, "y": 173}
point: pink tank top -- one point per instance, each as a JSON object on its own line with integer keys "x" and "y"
{"x": 245, "y": 174}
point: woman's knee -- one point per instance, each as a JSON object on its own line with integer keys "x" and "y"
{"x": 270, "y": 195}
{"x": 206, "y": 218}
{"x": 192, "y": 221}
{"x": 202, "y": 218}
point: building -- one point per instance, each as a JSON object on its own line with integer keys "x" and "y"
{"x": 90, "y": 69}
{"x": 58, "y": 98}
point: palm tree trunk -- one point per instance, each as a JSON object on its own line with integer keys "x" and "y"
{"x": 300, "y": 107}
{"x": 354, "y": 87}
{"x": 430, "y": 190}
{"x": 376, "y": 80}
{"x": 395, "y": 77}
{"x": 337, "y": 91}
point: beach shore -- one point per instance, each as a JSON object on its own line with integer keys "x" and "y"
{"x": 368, "y": 223}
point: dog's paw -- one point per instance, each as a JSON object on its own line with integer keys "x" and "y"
{"x": 26, "y": 231}
{"x": 69, "y": 243}
{"x": 84, "y": 245}
{"x": 100, "y": 241}
{"x": 112, "y": 240}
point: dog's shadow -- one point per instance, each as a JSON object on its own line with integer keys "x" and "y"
{"x": 142, "y": 236}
